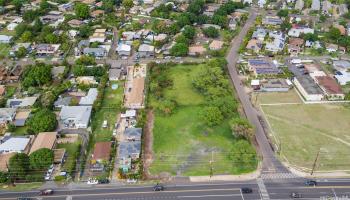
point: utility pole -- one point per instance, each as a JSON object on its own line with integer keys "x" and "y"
{"x": 315, "y": 162}
{"x": 211, "y": 163}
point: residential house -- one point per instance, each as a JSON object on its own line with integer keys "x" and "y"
{"x": 331, "y": 48}
{"x": 66, "y": 7}
{"x": 272, "y": 20}
{"x": 46, "y": 49}
{"x": 21, "y": 118}
{"x": 90, "y": 98}
{"x": 343, "y": 9}
{"x": 129, "y": 149}
{"x": 341, "y": 28}
{"x": 17, "y": 46}
{"x": 128, "y": 35}
{"x": 341, "y": 65}
{"x": 297, "y": 30}
{"x": 21, "y": 103}
{"x": 196, "y": 50}
{"x": 98, "y": 52}
{"x": 114, "y": 74}
{"x": 53, "y": 18}
{"x": 277, "y": 43}
{"x": 133, "y": 134}
{"x": 75, "y": 23}
{"x": 62, "y": 101}
{"x": 75, "y": 117}
{"x": 7, "y": 115}
{"x": 295, "y": 46}
{"x": 205, "y": 26}
{"x": 259, "y": 34}
{"x": 15, "y": 145}
{"x": 216, "y": 45}
{"x": 330, "y": 87}
{"x": 57, "y": 71}
{"x": 261, "y": 3}
{"x": 146, "y": 50}
{"x": 46, "y": 140}
{"x": 315, "y": 5}
{"x": 124, "y": 49}
{"x": 97, "y": 13}
{"x": 5, "y": 39}
{"x": 100, "y": 156}
{"x": 299, "y": 5}
{"x": 5, "y": 160}
{"x": 342, "y": 77}
{"x": 275, "y": 85}
{"x": 98, "y": 36}
{"x": 232, "y": 24}
{"x": 11, "y": 26}
{"x": 327, "y": 7}
{"x": 262, "y": 67}
{"x": 254, "y": 45}
{"x": 86, "y": 80}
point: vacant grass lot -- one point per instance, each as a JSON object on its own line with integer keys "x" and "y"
{"x": 276, "y": 97}
{"x": 111, "y": 105}
{"x": 182, "y": 143}
{"x": 304, "y": 129}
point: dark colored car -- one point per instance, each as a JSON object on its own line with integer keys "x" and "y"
{"x": 295, "y": 195}
{"x": 25, "y": 198}
{"x": 246, "y": 190}
{"x": 103, "y": 181}
{"x": 158, "y": 187}
{"x": 46, "y": 192}
{"x": 310, "y": 183}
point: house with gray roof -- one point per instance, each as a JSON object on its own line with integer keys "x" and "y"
{"x": 98, "y": 52}
{"x": 133, "y": 134}
{"x": 5, "y": 39}
{"x": 299, "y": 5}
{"x": 7, "y": 115}
{"x": 62, "y": 101}
{"x": 146, "y": 50}
{"x": 315, "y": 5}
{"x": 16, "y": 145}
{"x": 21, "y": 103}
{"x": 75, "y": 117}
{"x": 114, "y": 74}
{"x": 90, "y": 98}
{"x": 259, "y": 34}
{"x": 129, "y": 150}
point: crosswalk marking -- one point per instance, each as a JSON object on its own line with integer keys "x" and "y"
{"x": 278, "y": 176}
{"x": 262, "y": 188}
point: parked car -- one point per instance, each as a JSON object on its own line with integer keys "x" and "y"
{"x": 246, "y": 190}
{"x": 310, "y": 183}
{"x": 105, "y": 123}
{"x": 103, "y": 181}
{"x": 92, "y": 181}
{"x": 158, "y": 187}
{"x": 295, "y": 195}
{"x": 46, "y": 192}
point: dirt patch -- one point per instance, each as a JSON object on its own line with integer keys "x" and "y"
{"x": 148, "y": 144}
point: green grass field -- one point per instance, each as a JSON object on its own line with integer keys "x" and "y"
{"x": 4, "y": 50}
{"x": 182, "y": 142}
{"x": 276, "y": 97}
{"x": 71, "y": 151}
{"x": 304, "y": 129}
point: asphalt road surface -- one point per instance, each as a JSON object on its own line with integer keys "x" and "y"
{"x": 214, "y": 191}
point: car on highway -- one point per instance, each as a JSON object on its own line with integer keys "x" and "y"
{"x": 310, "y": 183}
{"x": 246, "y": 190}
{"x": 103, "y": 181}
{"x": 295, "y": 195}
{"x": 46, "y": 192}
{"x": 158, "y": 187}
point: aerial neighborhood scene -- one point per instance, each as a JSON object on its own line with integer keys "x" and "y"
{"x": 174, "y": 99}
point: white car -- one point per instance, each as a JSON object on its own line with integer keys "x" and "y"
{"x": 92, "y": 181}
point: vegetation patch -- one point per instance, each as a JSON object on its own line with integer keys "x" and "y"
{"x": 194, "y": 106}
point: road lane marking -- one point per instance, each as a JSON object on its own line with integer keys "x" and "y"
{"x": 214, "y": 195}
{"x": 335, "y": 195}
{"x": 240, "y": 191}
{"x": 148, "y": 192}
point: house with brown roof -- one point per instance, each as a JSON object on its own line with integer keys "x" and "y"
{"x": 97, "y": 13}
{"x": 216, "y": 45}
{"x": 4, "y": 161}
{"x": 255, "y": 45}
{"x": 44, "y": 140}
{"x": 75, "y": 23}
{"x": 102, "y": 151}
{"x": 330, "y": 87}
{"x": 196, "y": 50}
{"x": 21, "y": 118}
{"x": 295, "y": 46}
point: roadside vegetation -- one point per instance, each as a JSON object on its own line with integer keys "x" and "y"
{"x": 195, "y": 114}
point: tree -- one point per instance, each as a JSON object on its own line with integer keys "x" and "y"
{"x": 82, "y": 10}
{"x": 226, "y": 104}
{"x": 286, "y": 25}
{"x": 41, "y": 159}
{"x": 18, "y": 5}
{"x": 196, "y": 7}
{"x": 108, "y": 6}
{"x": 167, "y": 106}
{"x": 179, "y": 49}
{"x": 282, "y": 13}
{"x": 189, "y": 32}
{"x": 211, "y": 32}
{"x": 220, "y": 20}
{"x": 85, "y": 31}
{"x": 27, "y": 36}
{"x": 3, "y": 177}
{"x": 127, "y": 4}
{"x": 42, "y": 121}
{"x": 51, "y": 38}
{"x": 182, "y": 39}
{"x": 334, "y": 34}
{"x": 211, "y": 116}
{"x": 22, "y": 51}
{"x": 310, "y": 37}
{"x": 242, "y": 128}
{"x": 18, "y": 166}
{"x": 37, "y": 75}
{"x": 243, "y": 155}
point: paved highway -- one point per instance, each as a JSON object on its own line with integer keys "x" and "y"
{"x": 213, "y": 191}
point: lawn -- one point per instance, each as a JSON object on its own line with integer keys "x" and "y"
{"x": 4, "y": 50}
{"x": 276, "y": 97}
{"x": 71, "y": 151}
{"x": 20, "y": 131}
{"x": 304, "y": 129}
{"x": 21, "y": 187}
{"x": 10, "y": 91}
{"x": 183, "y": 144}
{"x": 111, "y": 105}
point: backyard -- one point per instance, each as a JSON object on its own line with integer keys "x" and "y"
{"x": 4, "y": 50}
{"x": 304, "y": 129}
{"x": 72, "y": 152}
{"x": 183, "y": 144}
{"x": 111, "y": 105}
